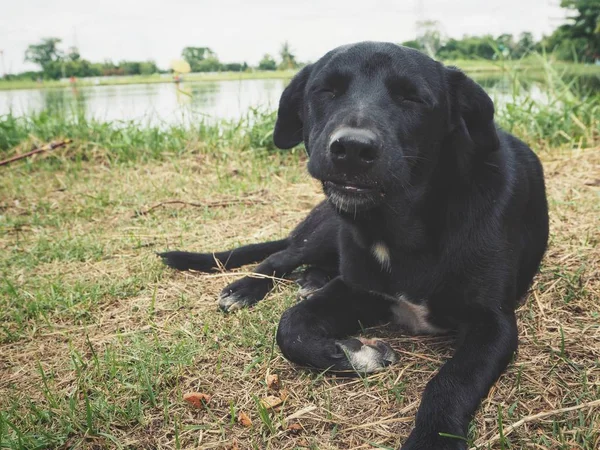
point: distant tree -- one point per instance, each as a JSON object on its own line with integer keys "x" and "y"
{"x": 108, "y": 68}
{"x": 73, "y": 54}
{"x": 525, "y": 44}
{"x": 234, "y": 67}
{"x": 413, "y": 44}
{"x": 148, "y": 68}
{"x": 580, "y": 36}
{"x": 56, "y": 64}
{"x": 80, "y": 68}
{"x": 469, "y": 47}
{"x": 288, "y": 59}
{"x": 429, "y": 36}
{"x": 210, "y": 64}
{"x": 453, "y": 49}
{"x": 129, "y": 67}
{"x": 47, "y": 55}
{"x": 196, "y": 55}
{"x": 267, "y": 63}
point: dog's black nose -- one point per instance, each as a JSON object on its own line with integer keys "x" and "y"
{"x": 353, "y": 148}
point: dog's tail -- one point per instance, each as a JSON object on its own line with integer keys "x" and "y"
{"x": 230, "y": 259}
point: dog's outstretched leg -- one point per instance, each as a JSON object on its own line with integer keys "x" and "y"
{"x": 315, "y": 331}
{"x": 313, "y": 242}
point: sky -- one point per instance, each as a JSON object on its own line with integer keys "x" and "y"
{"x": 239, "y": 30}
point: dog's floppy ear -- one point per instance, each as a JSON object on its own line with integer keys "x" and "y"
{"x": 289, "y": 125}
{"x": 472, "y": 112}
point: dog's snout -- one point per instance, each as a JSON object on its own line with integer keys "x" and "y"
{"x": 353, "y": 148}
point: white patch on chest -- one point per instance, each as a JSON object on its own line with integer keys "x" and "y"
{"x": 413, "y": 317}
{"x": 381, "y": 252}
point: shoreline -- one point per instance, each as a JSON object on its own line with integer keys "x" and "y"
{"x": 474, "y": 67}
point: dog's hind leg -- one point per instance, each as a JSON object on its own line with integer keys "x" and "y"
{"x": 315, "y": 331}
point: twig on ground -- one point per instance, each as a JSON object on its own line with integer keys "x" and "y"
{"x": 42, "y": 149}
{"x": 379, "y": 422}
{"x": 215, "y": 204}
{"x": 300, "y": 413}
{"x": 245, "y": 274}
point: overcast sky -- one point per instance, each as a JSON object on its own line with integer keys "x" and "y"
{"x": 244, "y": 30}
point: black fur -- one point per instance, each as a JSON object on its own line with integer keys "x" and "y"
{"x": 433, "y": 216}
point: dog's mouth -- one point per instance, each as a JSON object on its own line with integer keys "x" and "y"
{"x": 349, "y": 188}
{"x": 352, "y": 197}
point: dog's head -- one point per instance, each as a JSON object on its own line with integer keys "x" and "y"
{"x": 378, "y": 118}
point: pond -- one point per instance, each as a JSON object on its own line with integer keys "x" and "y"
{"x": 170, "y": 103}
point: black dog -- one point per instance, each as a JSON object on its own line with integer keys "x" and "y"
{"x": 434, "y": 218}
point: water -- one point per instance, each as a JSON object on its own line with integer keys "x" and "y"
{"x": 161, "y": 103}
{"x": 167, "y": 103}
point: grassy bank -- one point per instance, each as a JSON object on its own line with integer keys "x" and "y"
{"x": 531, "y": 66}
{"x": 99, "y": 342}
{"x": 146, "y": 79}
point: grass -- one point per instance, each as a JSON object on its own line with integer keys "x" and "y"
{"x": 146, "y": 79}
{"x": 99, "y": 342}
{"x": 530, "y": 64}
{"x": 564, "y": 110}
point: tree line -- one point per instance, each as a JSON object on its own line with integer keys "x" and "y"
{"x": 576, "y": 40}
{"x": 55, "y": 63}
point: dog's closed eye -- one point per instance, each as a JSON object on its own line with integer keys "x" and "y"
{"x": 403, "y": 90}
{"x": 331, "y": 92}
{"x": 335, "y": 85}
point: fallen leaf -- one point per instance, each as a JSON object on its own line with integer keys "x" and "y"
{"x": 270, "y": 401}
{"x": 273, "y": 381}
{"x": 197, "y": 399}
{"x": 284, "y": 394}
{"x": 244, "y": 419}
{"x": 294, "y": 428}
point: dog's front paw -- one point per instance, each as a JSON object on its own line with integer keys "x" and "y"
{"x": 243, "y": 293}
{"x": 367, "y": 355}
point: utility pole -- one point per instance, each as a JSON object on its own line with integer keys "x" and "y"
{"x": 420, "y": 15}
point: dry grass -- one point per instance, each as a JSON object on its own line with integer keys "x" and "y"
{"x": 98, "y": 342}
